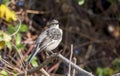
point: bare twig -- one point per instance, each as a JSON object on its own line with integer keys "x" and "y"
{"x": 73, "y": 71}
{"x": 82, "y": 71}
{"x": 69, "y": 72}
{"x": 36, "y": 12}
{"x": 17, "y": 28}
{"x": 36, "y": 69}
{"x": 52, "y": 57}
{"x": 20, "y": 58}
{"x": 118, "y": 74}
{"x": 5, "y": 38}
{"x": 90, "y": 47}
{"x": 44, "y": 72}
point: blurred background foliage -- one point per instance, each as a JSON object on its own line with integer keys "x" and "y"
{"x": 92, "y": 26}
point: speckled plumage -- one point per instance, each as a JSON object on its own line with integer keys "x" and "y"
{"x": 48, "y": 40}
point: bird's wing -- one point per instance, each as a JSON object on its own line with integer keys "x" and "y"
{"x": 40, "y": 47}
{"x": 39, "y": 40}
{"x": 42, "y": 42}
{"x": 41, "y": 36}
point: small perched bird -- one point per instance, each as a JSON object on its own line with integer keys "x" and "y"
{"x": 48, "y": 40}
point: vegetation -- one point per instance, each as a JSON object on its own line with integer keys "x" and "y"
{"x": 91, "y": 26}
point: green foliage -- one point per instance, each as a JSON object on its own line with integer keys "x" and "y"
{"x": 9, "y": 45}
{"x": 11, "y": 29}
{"x": 18, "y": 39}
{"x": 4, "y": 73}
{"x": 5, "y": 1}
{"x": 4, "y": 38}
{"x": 15, "y": 72}
{"x": 34, "y": 61}
{"x": 23, "y": 28}
{"x": 118, "y": 0}
{"x": 18, "y": 43}
{"x": 81, "y": 2}
{"x": 116, "y": 63}
{"x": 104, "y": 71}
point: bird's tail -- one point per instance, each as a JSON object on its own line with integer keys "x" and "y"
{"x": 35, "y": 51}
{"x": 33, "y": 55}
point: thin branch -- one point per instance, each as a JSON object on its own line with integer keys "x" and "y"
{"x": 44, "y": 72}
{"x": 82, "y": 71}
{"x": 73, "y": 71}
{"x": 52, "y": 57}
{"x": 17, "y": 28}
{"x": 71, "y": 54}
{"x": 36, "y": 12}
{"x": 36, "y": 69}
{"x": 118, "y": 74}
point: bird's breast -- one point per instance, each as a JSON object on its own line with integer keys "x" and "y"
{"x": 53, "y": 45}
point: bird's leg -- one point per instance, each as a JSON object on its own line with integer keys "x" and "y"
{"x": 47, "y": 53}
{"x": 51, "y": 52}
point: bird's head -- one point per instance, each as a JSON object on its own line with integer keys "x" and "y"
{"x": 54, "y": 23}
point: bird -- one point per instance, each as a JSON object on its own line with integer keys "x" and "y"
{"x": 47, "y": 40}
